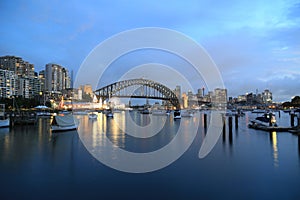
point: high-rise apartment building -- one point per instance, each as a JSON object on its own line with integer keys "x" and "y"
{"x": 42, "y": 80}
{"x": 220, "y": 97}
{"x": 177, "y": 91}
{"x": 57, "y": 78}
{"x": 267, "y": 96}
{"x": 7, "y": 83}
{"x": 87, "y": 89}
{"x": 23, "y": 81}
{"x": 18, "y": 65}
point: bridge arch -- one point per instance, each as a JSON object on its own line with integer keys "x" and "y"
{"x": 148, "y": 89}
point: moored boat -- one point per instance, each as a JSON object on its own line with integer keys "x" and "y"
{"x": 63, "y": 123}
{"x": 145, "y": 111}
{"x": 187, "y": 113}
{"x": 4, "y": 122}
{"x": 92, "y": 115}
{"x": 265, "y": 122}
{"x": 159, "y": 112}
{"x": 109, "y": 113}
{"x": 177, "y": 114}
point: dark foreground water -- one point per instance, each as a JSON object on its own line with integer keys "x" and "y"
{"x": 36, "y": 164}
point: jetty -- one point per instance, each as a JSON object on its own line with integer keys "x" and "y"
{"x": 268, "y": 123}
{"x": 271, "y": 128}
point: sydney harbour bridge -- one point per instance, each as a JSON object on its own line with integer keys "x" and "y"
{"x": 138, "y": 88}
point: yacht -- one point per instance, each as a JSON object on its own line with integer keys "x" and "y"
{"x": 187, "y": 113}
{"x": 159, "y": 112}
{"x": 63, "y": 123}
{"x": 4, "y": 122}
{"x": 145, "y": 111}
{"x": 93, "y": 115}
{"x": 109, "y": 113}
{"x": 268, "y": 119}
{"x": 177, "y": 114}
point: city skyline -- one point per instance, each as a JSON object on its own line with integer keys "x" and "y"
{"x": 55, "y": 78}
{"x": 255, "y": 45}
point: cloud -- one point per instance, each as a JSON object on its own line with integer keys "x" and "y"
{"x": 251, "y": 42}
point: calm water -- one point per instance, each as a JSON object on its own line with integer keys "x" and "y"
{"x": 36, "y": 164}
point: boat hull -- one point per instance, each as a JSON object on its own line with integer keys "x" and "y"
{"x": 159, "y": 112}
{"x": 4, "y": 123}
{"x": 109, "y": 115}
{"x": 187, "y": 114}
{"x": 177, "y": 114}
{"x": 92, "y": 116}
{"x": 55, "y": 128}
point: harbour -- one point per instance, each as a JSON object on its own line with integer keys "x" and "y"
{"x": 150, "y": 100}
{"x": 245, "y": 163}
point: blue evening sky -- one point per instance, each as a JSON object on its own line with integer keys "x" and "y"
{"x": 255, "y": 44}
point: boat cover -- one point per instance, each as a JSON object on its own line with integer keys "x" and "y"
{"x": 66, "y": 120}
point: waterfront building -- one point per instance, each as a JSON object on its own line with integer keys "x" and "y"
{"x": 250, "y": 98}
{"x": 23, "y": 87}
{"x": 87, "y": 89}
{"x": 267, "y": 97}
{"x": 34, "y": 85}
{"x": 185, "y": 100}
{"x": 177, "y": 91}
{"x": 200, "y": 92}
{"x": 241, "y": 98}
{"x": 24, "y": 82}
{"x": 79, "y": 94}
{"x": 28, "y": 87}
{"x": 7, "y": 83}
{"x": 192, "y": 99}
{"x": 42, "y": 80}
{"x": 220, "y": 97}
{"x": 16, "y": 64}
{"x": 259, "y": 99}
{"x": 57, "y": 78}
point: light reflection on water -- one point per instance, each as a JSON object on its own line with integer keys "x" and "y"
{"x": 275, "y": 148}
{"x": 249, "y": 161}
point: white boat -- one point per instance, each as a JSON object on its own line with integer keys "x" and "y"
{"x": 43, "y": 114}
{"x": 109, "y": 113}
{"x": 63, "y": 123}
{"x": 4, "y": 123}
{"x": 168, "y": 112}
{"x": 159, "y": 112}
{"x": 187, "y": 113}
{"x": 268, "y": 119}
{"x": 93, "y": 115}
{"x": 146, "y": 111}
{"x": 177, "y": 114}
{"x": 79, "y": 112}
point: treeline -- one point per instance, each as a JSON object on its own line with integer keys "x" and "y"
{"x": 294, "y": 103}
{"x": 19, "y": 103}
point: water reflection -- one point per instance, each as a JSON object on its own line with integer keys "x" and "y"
{"x": 299, "y": 145}
{"x": 24, "y": 142}
{"x": 226, "y": 134}
{"x": 32, "y": 155}
{"x": 273, "y": 139}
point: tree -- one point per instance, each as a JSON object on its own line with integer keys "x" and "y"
{"x": 296, "y": 101}
{"x": 287, "y": 104}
